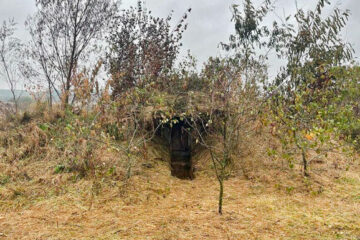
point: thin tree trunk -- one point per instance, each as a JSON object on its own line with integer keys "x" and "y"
{"x": 11, "y": 84}
{"x": 303, "y": 153}
{"x": 220, "y": 178}
{"x": 15, "y": 100}
{"x": 221, "y": 194}
{"x": 50, "y": 97}
{"x": 73, "y": 58}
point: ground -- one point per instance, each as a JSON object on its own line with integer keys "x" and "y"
{"x": 154, "y": 205}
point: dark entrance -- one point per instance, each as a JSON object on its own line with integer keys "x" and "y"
{"x": 180, "y": 152}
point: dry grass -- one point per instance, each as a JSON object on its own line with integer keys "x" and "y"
{"x": 154, "y": 205}
{"x": 271, "y": 202}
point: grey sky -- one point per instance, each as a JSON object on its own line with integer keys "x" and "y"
{"x": 209, "y": 22}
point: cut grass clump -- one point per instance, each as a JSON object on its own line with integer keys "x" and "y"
{"x": 59, "y": 169}
{"x": 4, "y": 179}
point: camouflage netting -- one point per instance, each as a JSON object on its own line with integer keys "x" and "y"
{"x": 167, "y": 107}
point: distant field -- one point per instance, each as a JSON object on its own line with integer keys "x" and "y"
{"x": 5, "y": 94}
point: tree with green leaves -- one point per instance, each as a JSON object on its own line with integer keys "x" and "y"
{"x": 310, "y": 47}
{"x": 250, "y": 44}
{"x": 305, "y": 109}
{"x": 348, "y": 92}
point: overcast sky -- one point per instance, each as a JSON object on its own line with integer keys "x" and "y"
{"x": 209, "y": 22}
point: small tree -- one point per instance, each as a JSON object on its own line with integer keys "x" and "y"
{"x": 348, "y": 92}
{"x": 250, "y": 43}
{"x": 62, "y": 33}
{"x": 143, "y": 48}
{"x": 124, "y": 121}
{"x": 233, "y": 94}
{"x": 306, "y": 109}
{"x": 224, "y": 124}
{"x": 304, "y": 126}
{"x": 311, "y": 47}
{"x": 10, "y": 55}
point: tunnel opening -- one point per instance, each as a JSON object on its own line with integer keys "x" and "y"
{"x": 180, "y": 152}
{"x": 180, "y": 144}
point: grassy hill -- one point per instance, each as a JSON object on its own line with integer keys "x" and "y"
{"x": 45, "y": 193}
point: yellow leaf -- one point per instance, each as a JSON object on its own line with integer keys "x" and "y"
{"x": 309, "y": 137}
